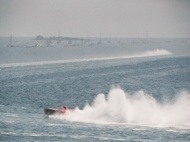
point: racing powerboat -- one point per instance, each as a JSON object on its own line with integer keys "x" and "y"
{"x": 52, "y": 111}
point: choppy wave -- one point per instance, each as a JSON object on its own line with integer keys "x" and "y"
{"x": 140, "y": 108}
{"x": 150, "y": 53}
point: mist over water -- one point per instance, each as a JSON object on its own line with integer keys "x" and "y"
{"x": 140, "y": 108}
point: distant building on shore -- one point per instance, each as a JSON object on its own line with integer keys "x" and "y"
{"x": 57, "y": 41}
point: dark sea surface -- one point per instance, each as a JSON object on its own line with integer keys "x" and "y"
{"x": 132, "y": 99}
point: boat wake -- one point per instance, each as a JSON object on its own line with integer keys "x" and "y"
{"x": 150, "y": 53}
{"x": 119, "y": 107}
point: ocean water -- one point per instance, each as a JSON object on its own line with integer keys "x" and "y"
{"x": 144, "y": 97}
{"x": 138, "y": 99}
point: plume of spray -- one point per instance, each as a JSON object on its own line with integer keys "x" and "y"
{"x": 157, "y": 52}
{"x": 140, "y": 108}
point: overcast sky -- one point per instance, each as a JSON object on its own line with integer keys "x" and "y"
{"x": 81, "y": 18}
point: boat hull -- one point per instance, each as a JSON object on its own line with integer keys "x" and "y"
{"x": 51, "y": 111}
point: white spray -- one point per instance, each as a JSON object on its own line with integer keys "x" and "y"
{"x": 138, "y": 109}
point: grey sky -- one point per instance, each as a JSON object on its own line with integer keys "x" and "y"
{"x": 79, "y": 18}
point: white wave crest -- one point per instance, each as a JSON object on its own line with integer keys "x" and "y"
{"x": 157, "y": 52}
{"x": 137, "y": 109}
